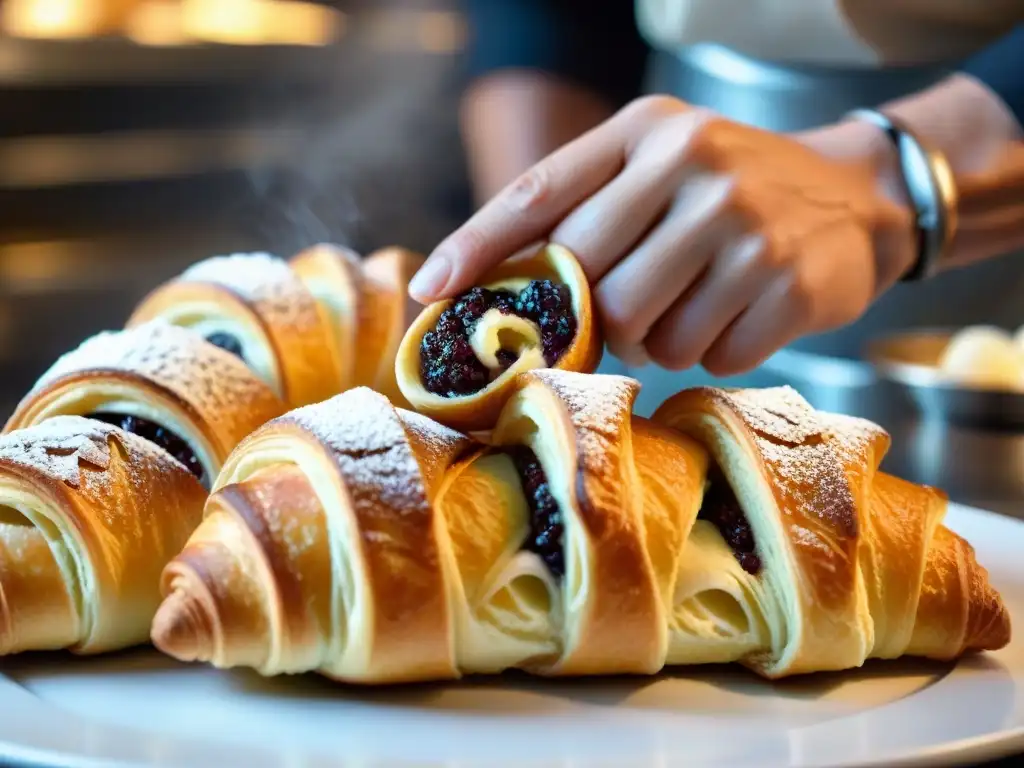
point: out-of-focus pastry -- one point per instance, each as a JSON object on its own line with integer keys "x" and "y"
{"x": 311, "y": 327}
{"x": 162, "y": 383}
{"x": 983, "y": 357}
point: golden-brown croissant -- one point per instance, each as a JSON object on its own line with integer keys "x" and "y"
{"x": 372, "y": 544}
{"x": 369, "y": 309}
{"x": 89, "y": 516}
{"x": 161, "y": 382}
{"x": 459, "y": 359}
{"x": 848, "y": 562}
{"x": 311, "y": 327}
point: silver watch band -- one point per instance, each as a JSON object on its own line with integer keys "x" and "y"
{"x": 930, "y": 187}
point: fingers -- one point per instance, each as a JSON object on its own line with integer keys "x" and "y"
{"x": 769, "y": 324}
{"x": 645, "y": 284}
{"x": 524, "y": 212}
{"x": 610, "y": 223}
{"x": 737, "y": 275}
{"x": 802, "y": 299}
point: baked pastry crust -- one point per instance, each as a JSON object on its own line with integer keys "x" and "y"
{"x": 857, "y": 562}
{"x": 479, "y": 411}
{"x": 163, "y": 373}
{"x": 320, "y": 550}
{"x": 257, "y": 299}
{"x": 89, "y": 516}
{"x": 372, "y": 544}
{"x": 369, "y": 306}
{"x": 311, "y": 326}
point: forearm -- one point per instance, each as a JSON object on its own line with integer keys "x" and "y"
{"x": 512, "y": 119}
{"x": 984, "y": 145}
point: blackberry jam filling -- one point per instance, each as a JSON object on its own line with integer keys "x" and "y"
{"x": 156, "y": 434}
{"x": 722, "y": 509}
{"x": 546, "y": 526}
{"x": 449, "y": 367}
{"x": 227, "y": 342}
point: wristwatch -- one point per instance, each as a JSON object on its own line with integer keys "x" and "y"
{"x": 930, "y": 187}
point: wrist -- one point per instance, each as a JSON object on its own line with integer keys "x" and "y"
{"x": 867, "y": 148}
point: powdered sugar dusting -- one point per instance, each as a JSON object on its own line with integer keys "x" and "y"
{"x": 219, "y": 386}
{"x": 249, "y": 273}
{"x": 436, "y": 445}
{"x": 809, "y": 480}
{"x": 596, "y": 402}
{"x": 600, "y": 407}
{"x": 368, "y": 440}
{"x": 854, "y": 439}
{"x": 776, "y": 411}
{"x": 60, "y": 447}
{"x": 265, "y": 280}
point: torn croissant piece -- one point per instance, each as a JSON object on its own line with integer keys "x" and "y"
{"x": 371, "y": 544}
{"x": 459, "y": 359}
{"x": 254, "y": 306}
{"x": 833, "y": 562}
{"x": 162, "y": 383}
{"x": 321, "y": 550}
{"x": 368, "y": 307}
{"x": 89, "y": 516}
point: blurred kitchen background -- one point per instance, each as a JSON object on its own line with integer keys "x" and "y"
{"x": 137, "y": 136}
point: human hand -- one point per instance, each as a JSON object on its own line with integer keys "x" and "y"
{"x": 707, "y": 241}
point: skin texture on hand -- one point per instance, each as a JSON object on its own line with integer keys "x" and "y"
{"x": 711, "y": 242}
{"x": 707, "y": 241}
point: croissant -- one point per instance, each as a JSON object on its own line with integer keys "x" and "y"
{"x": 89, "y": 516}
{"x": 373, "y": 545}
{"x": 162, "y": 382}
{"x": 368, "y": 306}
{"x": 310, "y": 327}
{"x": 839, "y": 562}
{"x": 459, "y": 359}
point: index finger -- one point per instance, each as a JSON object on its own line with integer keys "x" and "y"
{"x": 526, "y": 211}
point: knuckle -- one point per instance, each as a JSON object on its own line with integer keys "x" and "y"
{"x": 771, "y": 255}
{"x": 653, "y": 107}
{"x": 530, "y": 190}
{"x": 718, "y": 363}
{"x": 800, "y": 296}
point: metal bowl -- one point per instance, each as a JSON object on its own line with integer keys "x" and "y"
{"x": 910, "y": 358}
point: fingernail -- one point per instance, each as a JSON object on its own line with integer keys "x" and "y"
{"x": 431, "y": 279}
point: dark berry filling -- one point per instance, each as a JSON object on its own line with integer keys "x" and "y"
{"x": 722, "y": 509}
{"x": 447, "y": 363}
{"x": 156, "y": 434}
{"x": 227, "y": 342}
{"x": 546, "y": 526}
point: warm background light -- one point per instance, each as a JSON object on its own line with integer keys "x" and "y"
{"x": 175, "y": 22}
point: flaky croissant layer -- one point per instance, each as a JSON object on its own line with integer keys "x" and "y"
{"x": 89, "y": 516}
{"x": 372, "y": 544}
{"x": 309, "y": 327}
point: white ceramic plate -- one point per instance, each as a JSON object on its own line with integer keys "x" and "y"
{"x": 139, "y": 708}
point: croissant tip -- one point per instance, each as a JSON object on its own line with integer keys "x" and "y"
{"x": 176, "y": 631}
